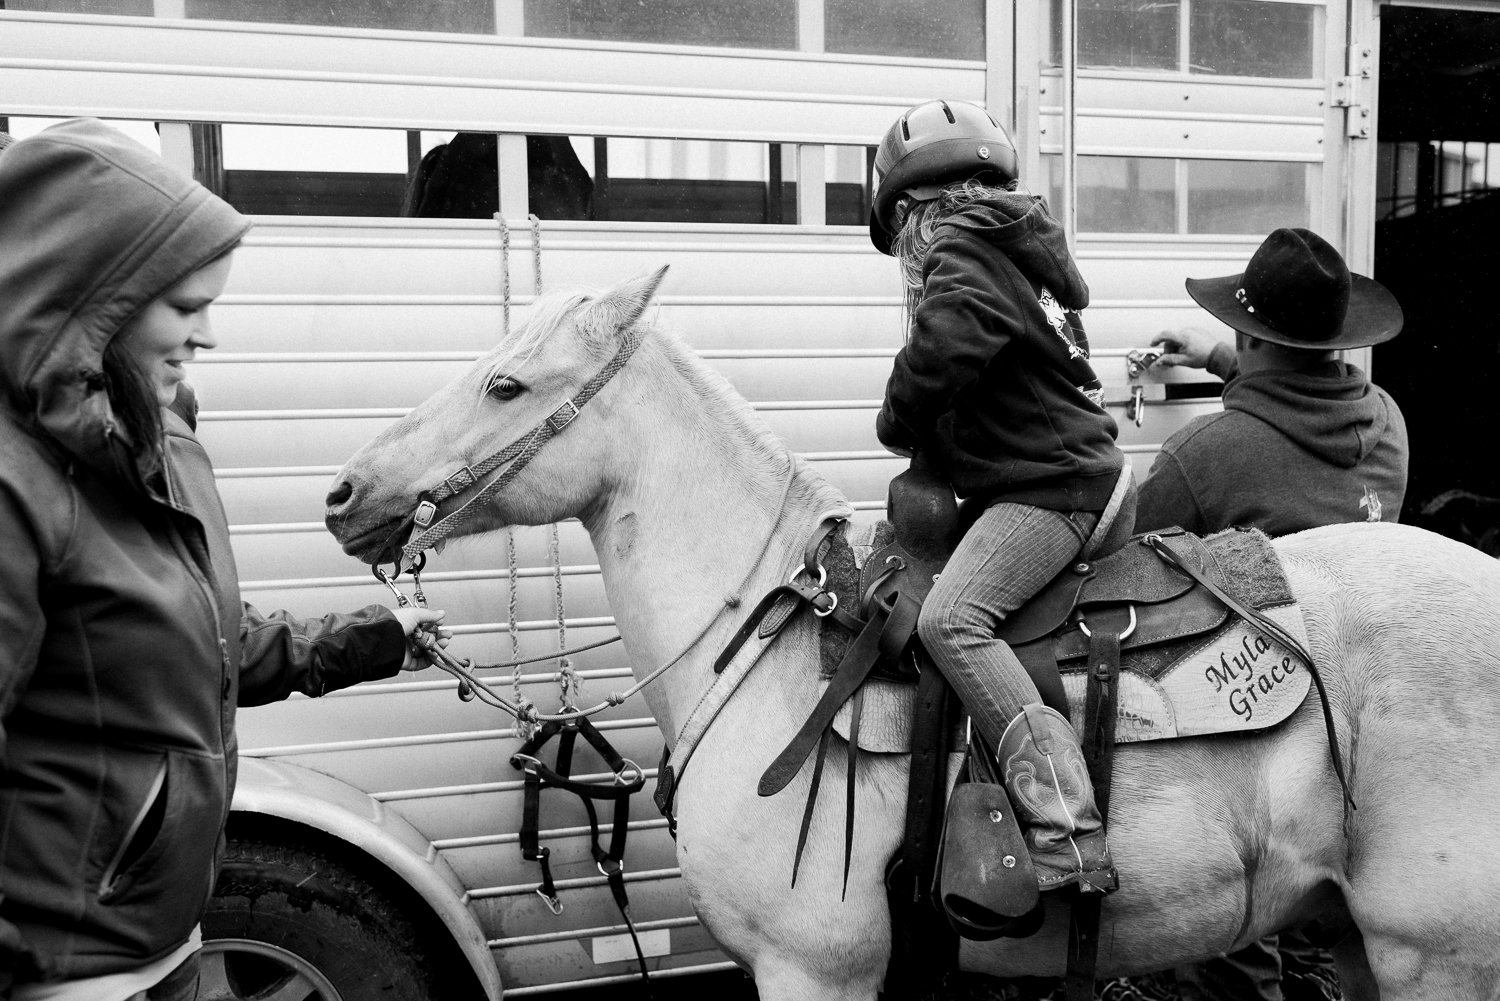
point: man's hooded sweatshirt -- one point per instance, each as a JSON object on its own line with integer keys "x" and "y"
{"x": 994, "y": 385}
{"x": 124, "y": 646}
{"x": 1290, "y": 451}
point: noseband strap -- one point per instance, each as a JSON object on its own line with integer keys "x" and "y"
{"x": 426, "y": 533}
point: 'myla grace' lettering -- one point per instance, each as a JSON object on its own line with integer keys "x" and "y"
{"x": 1230, "y": 668}
{"x": 1242, "y": 700}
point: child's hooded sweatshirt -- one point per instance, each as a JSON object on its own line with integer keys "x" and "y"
{"x": 994, "y": 386}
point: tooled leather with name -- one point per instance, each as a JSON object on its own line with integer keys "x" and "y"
{"x": 1190, "y": 666}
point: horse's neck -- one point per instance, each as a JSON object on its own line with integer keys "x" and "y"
{"x": 701, "y": 515}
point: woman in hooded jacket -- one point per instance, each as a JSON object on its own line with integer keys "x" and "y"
{"x": 124, "y": 645}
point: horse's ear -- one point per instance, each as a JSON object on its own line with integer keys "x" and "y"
{"x": 620, "y": 307}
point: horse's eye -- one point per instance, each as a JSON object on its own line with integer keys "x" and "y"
{"x": 505, "y": 389}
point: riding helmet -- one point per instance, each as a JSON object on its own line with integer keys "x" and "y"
{"x": 932, "y": 145}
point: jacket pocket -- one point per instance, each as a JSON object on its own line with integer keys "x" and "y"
{"x": 164, "y": 872}
{"x": 139, "y": 836}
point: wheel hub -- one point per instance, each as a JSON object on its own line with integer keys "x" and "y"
{"x": 242, "y": 969}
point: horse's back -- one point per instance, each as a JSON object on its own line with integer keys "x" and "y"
{"x": 1400, "y": 613}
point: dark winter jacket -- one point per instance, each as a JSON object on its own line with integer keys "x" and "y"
{"x": 994, "y": 385}
{"x": 124, "y": 646}
{"x": 1290, "y": 451}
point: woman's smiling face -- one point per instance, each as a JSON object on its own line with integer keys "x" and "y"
{"x": 171, "y": 329}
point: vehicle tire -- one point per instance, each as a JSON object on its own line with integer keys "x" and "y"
{"x": 286, "y": 921}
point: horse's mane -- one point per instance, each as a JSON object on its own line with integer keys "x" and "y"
{"x": 723, "y": 407}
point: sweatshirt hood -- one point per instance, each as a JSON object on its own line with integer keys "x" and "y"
{"x": 1019, "y": 226}
{"x": 1331, "y": 410}
{"x": 93, "y": 227}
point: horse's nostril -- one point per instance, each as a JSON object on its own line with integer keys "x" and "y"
{"x": 340, "y": 493}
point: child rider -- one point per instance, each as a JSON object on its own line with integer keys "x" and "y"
{"x": 995, "y": 390}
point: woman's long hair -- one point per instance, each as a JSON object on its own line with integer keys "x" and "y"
{"x": 133, "y": 399}
{"x": 916, "y": 224}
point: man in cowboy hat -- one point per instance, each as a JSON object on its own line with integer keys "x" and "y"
{"x": 1303, "y": 440}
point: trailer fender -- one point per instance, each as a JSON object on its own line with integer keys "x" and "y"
{"x": 290, "y": 792}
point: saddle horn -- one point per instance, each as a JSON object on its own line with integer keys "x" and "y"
{"x": 924, "y": 511}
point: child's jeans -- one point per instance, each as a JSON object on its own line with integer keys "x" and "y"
{"x": 1010, "y": 554}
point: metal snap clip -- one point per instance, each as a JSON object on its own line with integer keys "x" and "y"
{"x": 822, "y": 574}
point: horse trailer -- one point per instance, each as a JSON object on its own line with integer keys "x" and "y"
{"x": 733, "y": 142}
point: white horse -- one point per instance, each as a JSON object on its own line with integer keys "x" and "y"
{"x": 1218, "y": 840}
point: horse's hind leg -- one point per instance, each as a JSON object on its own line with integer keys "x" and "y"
{"x": 775, "y": 981}
{"x": 1356, "y": 980}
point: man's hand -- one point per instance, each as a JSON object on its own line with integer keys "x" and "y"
{"x": 1189, "y": 347}
{"x": 426, "y": 621}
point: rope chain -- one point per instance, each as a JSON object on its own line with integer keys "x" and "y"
{"x": 570, "y": 687}
{"x": 536, "y": 254}
{"x": 525, "y": 725}
{"x": 504, "y": 276}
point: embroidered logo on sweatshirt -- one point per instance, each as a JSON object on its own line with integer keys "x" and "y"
{"x": 1371, "y": 503}
{"x": 1057, "y": 318}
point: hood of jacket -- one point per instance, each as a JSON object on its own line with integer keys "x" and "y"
{"x": 1332, "y": 410}
{"x": 1020, "y": 227}
{"x": 93, "y": 227}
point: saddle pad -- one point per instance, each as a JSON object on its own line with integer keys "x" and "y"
{"x": 1239, "y": 680}
{"x": 1233, "y": 679}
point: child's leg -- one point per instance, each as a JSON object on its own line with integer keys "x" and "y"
{"x": 1010, "y": 554}
{"x": 1012, "y": 551}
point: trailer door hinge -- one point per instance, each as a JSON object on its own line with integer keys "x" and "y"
{"x": 1346, "y": 96}
{"x": 1357, "y": 123}
{"x": 1343, "y": 91}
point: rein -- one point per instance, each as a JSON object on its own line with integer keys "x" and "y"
{"x": 472, "y": 686}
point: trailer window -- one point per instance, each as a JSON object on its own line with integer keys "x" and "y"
{"x": 475, "y": 17}
{"x": 142, "y": 132}
{"x": 846, "y": 172}
{"x": 755, "y": 24}
{"x": 1260, "y": 38}
{"x": 937, "y": 29}
{"x": 1124, "y": 194}
{"x": 124, "y": 8}
{"x": 1126, "y": 34}
{"x": 1245, "y": 196}
{"x": 1251, "y": 38}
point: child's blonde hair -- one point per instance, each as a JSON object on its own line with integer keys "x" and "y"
{"x": 916, "y": 223}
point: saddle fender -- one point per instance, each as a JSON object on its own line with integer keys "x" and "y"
{"x": 290, "y": 792}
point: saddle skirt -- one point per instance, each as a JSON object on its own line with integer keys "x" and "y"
{"x": 1190, "y": 667}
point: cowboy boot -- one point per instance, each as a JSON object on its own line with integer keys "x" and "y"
{"x": 1049, "y": 787}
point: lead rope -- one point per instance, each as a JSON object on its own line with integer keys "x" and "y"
{"x": 570, "y": 689}
{"x": 567, "y": 679}
{"x": 526, "y": 726}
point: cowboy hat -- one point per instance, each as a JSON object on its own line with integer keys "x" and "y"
{"x": 1298, "y": 292}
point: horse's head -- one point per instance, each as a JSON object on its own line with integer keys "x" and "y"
{"x": 570, "y": 336}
